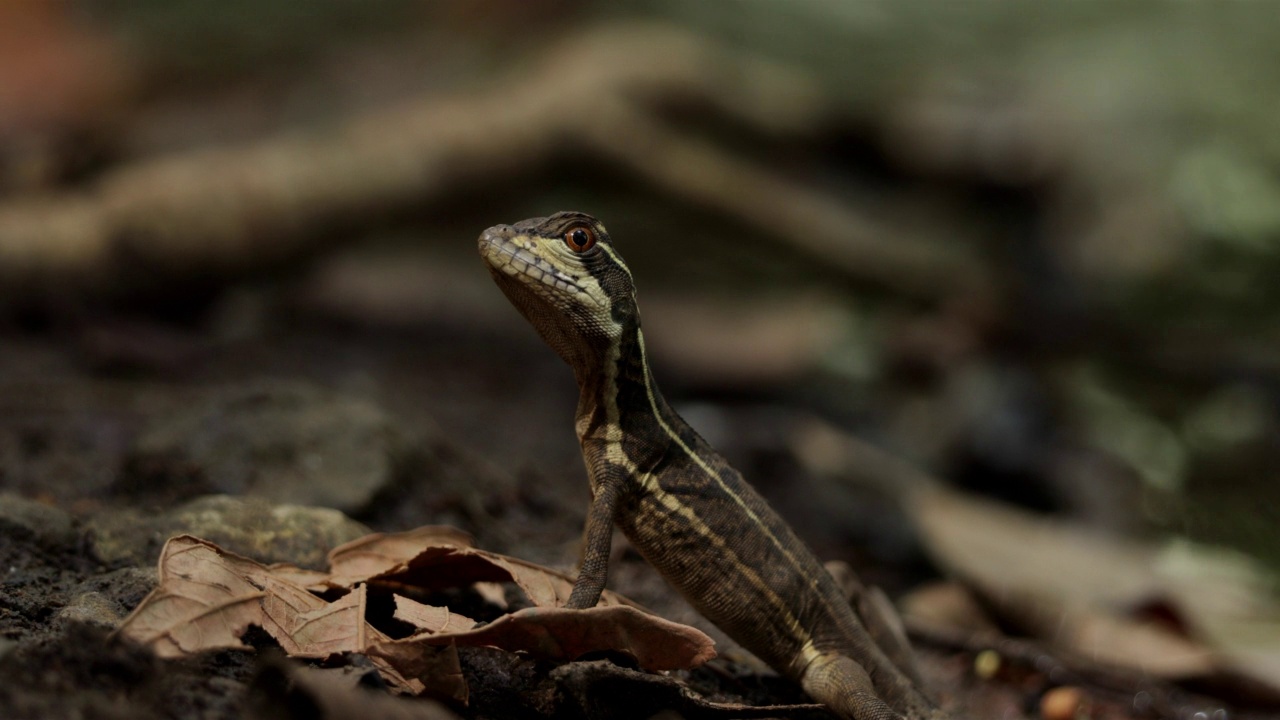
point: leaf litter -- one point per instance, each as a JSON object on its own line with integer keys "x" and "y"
{"x": 1172, "y": 610}
{"x": 208, "y": 597}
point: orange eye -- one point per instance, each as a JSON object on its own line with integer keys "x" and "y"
{"x": 579, "y": 239}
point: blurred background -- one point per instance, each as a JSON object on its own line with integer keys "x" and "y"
{"x": 1029, "y": 249}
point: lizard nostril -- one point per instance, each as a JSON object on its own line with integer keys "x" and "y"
{"x": 494, "y": 236}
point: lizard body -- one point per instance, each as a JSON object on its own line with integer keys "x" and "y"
{"x": 679, "y": 502}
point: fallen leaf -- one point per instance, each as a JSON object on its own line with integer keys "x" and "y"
{"x": 543, "y": 586}
{"x": 176, "y": 624}
{"x": 298, "y": 576}
{"x": 1077, "y": 589}
{"x": 430, "y": 618}
{"x": 208, "y": 597}
{"x": 437, "y": 558}
{"x": 382, "y": 553}
{"x": 1003, "y": 548}
{"x": 429, "y": 669}
{"x": 205, "y": 599}
{"x": 1153, "y": 648}
{"x": 283, "y": 603}
{"x": 309, "y": 627}
{"x": 334, "y": 628}
{"x": 563, "y": 634}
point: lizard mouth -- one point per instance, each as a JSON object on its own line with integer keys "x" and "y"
{"x": 515, "y": 258}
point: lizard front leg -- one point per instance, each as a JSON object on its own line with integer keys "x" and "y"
{"x": 597, "y": 538}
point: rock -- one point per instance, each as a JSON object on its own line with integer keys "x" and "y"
{"x": 47, "y": 525}
{"x": 253, "y": 528}
{"x": 92, "y": 608}
{"x": 283, "y": 442}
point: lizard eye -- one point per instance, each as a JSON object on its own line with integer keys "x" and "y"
{"x": 579, "y": 239}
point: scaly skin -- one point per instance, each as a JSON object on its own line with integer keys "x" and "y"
{"x": 680, "y": 503}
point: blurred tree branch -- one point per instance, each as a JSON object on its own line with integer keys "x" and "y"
{"x": 231, "y": 209}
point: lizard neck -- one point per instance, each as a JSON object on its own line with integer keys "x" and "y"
{"x": 621, "y": 412}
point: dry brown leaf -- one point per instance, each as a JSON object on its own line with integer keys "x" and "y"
{"x": 429, "y": 617}
{"x": 337, "y": 627}
{"x": 301, "y": 577}
{"x": 1151, "y": 647}
{"x": 436, "y": 567}
{"x": 436, "y": 558}
{"x": 420, "y": 668}
{"x": 383, "y": 553}
{"x": 1106, "y": 635}
{"x": 283, "y": 603}
{"x": 176, "y": 625}
{"x": 1077, "y": 588}
{"x": 544, "y": 587}
{"x": 1002, "y": 548}
{"x": 563, "y": 634}
{"x": 206, "y": 598}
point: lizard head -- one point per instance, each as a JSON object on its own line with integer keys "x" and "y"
{"x": 564, "y": 275}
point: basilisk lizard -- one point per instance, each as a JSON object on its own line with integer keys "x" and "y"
{"x": 678, "y": 501}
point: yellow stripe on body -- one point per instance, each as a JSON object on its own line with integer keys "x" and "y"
{"x": 614, "y": 453}
{"x": 713, "y": 474}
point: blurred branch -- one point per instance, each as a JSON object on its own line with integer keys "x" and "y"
{"x": 235, "y": 208}
{"x": 813, "y": 223}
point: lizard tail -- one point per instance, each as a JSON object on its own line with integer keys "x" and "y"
{"x": 845, "y": 688}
